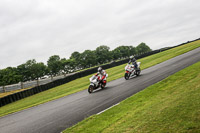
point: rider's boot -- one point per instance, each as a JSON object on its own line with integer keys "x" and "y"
{"x": 104, "y": 83}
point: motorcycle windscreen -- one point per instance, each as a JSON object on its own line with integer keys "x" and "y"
{"x": 138, "y": 63}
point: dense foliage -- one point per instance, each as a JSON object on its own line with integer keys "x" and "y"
{"x": 31, "y": 70}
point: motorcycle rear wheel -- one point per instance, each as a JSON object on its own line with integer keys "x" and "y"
{"x": 90, "y": 89}
{"x": 103, "y": 86}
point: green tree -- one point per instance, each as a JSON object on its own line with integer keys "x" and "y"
{"x": 132, "y": 50}
{"x": 25, "y": 70}
{"x": 75, "y": 55}
{"x": 54, "y": 65}
{"x": 31, "y": 70}
{"x": 9, "y": 76}
{"x": 116, "y": 54}
{"x": 38, "y": 70}
{"x": 123, "y": 52}
{"x": 88, "y": 59}
{"x": 142, "y": 48}
{"x": 1, "y": 78}
{"x": 103, "y": 54}
{"x": 68, "y": 66}
{"x": 76, "y": 60}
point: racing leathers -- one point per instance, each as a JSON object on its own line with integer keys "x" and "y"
{"x": 102, "y": 76}
{"x": 133, "y": 61}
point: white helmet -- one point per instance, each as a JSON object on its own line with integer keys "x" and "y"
{"x": 100, "y": 69}
{"x": 131, "y": 57}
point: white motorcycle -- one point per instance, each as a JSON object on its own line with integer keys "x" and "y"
{"x": 95, "y": 83}
{"x": 131, "y": 71}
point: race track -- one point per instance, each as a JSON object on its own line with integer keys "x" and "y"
{"x": 57, "y": 115}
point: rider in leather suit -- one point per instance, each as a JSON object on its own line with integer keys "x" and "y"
{"x": 133, "y": 61}
{"x": 102, "y": 75}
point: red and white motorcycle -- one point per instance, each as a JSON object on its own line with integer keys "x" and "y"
{"x": 131, "y": 71}
{"x": 95, "y": 83}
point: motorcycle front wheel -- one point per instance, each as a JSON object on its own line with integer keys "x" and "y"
{"x": 126, "y": 76}
{"x": 90, "y": 89}
{"x": 138, "y": 72}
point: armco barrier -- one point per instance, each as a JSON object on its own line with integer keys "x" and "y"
{"x": 20, "y": 95}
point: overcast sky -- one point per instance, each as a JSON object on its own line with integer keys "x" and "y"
{"x": 38, "y": 29}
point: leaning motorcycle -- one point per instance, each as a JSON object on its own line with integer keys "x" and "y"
{"x": 95, "y": 83}
{"x": 131, "y": 71}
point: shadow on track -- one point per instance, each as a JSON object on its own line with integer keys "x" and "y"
{"x": 98, "y": 90}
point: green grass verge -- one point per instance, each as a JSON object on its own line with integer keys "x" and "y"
{"x": 82, "y": 83}
{"x": 171, "y": 105}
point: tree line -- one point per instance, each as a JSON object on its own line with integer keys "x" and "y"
{"x": 32, "y": 70}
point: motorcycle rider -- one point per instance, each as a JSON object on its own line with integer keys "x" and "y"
{"x": 101, "y": 75}
{"x": 133, "y": 61}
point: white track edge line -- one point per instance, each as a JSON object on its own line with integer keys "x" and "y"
{"x": 107, "y": 108}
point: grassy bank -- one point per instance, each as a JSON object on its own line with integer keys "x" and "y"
{"x": 82, "y": 83}
{"x": 172, "y": 105}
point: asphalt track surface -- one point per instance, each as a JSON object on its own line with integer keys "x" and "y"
{"x": 57, "y": 115}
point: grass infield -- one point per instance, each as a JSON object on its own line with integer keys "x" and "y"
{"x": 82, "y": 83}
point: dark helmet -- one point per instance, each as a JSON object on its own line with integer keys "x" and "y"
{"x": 100, "y": 69}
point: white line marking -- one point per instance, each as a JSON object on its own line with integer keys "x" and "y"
{"x": 107, "y": 108}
